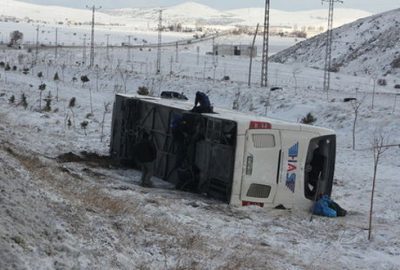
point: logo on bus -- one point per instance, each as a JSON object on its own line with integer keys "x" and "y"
{"x": 292, "y": 167}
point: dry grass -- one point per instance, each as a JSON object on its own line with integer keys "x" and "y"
{"x": 100, "y": 202}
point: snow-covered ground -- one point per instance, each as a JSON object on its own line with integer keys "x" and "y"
{"x": 85, "y": 215}
{"x": 70, "y": 213}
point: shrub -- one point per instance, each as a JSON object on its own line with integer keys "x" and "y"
{"x": 23, "y": 102}
{"x": 72, "y": 102}
{"x": 395, "y": 63}
{"x": 382, "y": 82}
{"x": 42, "y": 87}
{"x": 143, "y": 90}
{"x": 56, "y": 77}
{"x": 309, "y": 119}
{"x": 84, "y": 79}
{"x": 84, "y": 126}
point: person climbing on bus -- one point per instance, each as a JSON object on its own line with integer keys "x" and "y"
{"x": 145, "y": 154}
{"x": 202, "y": 103}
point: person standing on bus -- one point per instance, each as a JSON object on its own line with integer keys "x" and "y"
{"x": 145, "y": 154}
{"x": 202, "y": 103}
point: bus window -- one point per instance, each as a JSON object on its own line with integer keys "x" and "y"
{"x": 263, "y": 140}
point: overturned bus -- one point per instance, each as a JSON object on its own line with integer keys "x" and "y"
{"x": 235, "y": 157}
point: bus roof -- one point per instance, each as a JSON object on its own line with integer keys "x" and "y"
{"x": 242, "y": 119}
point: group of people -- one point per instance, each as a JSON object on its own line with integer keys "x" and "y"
{"x": 148, "y": 152}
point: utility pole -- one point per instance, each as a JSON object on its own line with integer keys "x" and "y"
{"x": 264, "y": 66}
{"x": 251, "y": 54}
{"x": 214, "y": 49}
{"x": 84, "y": 50}
{"x": 328, "y": 48}
{"x": 198, "y": 55}
{"x": 159, "y": 43}
{"x": 56, "y": 45}
{"x": 93, "y": 8}
{"x": 108, "y": 47}
{"x": 177, "y": 52}
{"x": 37, "y": 44}
{"x": 129, "y": 48}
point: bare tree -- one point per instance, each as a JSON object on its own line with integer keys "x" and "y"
{"x": 124, "y": 77}
{"x": 57, "y": 81}
{"x": 379, "y": 146}
{"x": 106, "y": 110}
{"x": 374, "y": 80}
{"x": 236, "y": 105}
{"x": 295, "y": 71}
{"x": 356, "y": 107}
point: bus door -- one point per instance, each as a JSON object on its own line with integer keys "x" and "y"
{"x": 261, "y": 168}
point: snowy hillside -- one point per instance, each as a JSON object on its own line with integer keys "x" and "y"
{"x": 194, "y": 13}
{"x": 367, "y": 46}
{"x": 315, "y": 18}
{"x": 50, "y": 14}
{"x": 189, "y": 14}
{"x": 64, "y": 206}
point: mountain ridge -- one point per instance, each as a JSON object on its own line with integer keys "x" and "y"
{"x": 366, "y": 46}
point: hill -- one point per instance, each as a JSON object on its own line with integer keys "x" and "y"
{"x": 367, "y": 46}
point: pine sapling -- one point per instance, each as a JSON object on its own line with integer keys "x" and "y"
{"x": 23, "y": 101}
{"x": 56, "y": 80}
{"x": 84, "y": 80}
{"x": 309, "y": 119}
{"x": 11, "y": 100}
{"x": 47, "y": 107}
{"x": 84, "y": 126}
{"x": 71, "y": 105}
{"x": 42, "y": 87}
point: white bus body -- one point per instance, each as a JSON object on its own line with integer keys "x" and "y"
{"x": 273, "y": 162}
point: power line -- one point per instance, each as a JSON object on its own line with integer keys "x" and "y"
{"x": 264, "y": 67}
{"x": 93, "y": 8}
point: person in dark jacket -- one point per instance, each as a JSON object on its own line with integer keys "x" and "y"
{"x": 145, "y": 154}
{"x": 202, "y": 103}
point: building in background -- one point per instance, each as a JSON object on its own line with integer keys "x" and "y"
{"x": 235, "y": 50}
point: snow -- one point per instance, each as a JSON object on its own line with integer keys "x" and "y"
{"x": 89, "y": 215}
{"x": 315, "y": 18}
{"x": 188, "y": 14}
{"x": 366, "y": 46}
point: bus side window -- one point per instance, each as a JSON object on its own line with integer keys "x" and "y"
{"x": 263, "y": 140}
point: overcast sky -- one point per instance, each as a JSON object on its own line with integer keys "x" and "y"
{"x": 373, "y": 6}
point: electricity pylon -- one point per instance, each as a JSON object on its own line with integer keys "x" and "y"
{"x": 93, "y": 8}
{"x": 264, "y": 67}
{"x": 328, "y": 49}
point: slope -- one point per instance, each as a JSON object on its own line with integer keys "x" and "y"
{"x": 367, "y": 46}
